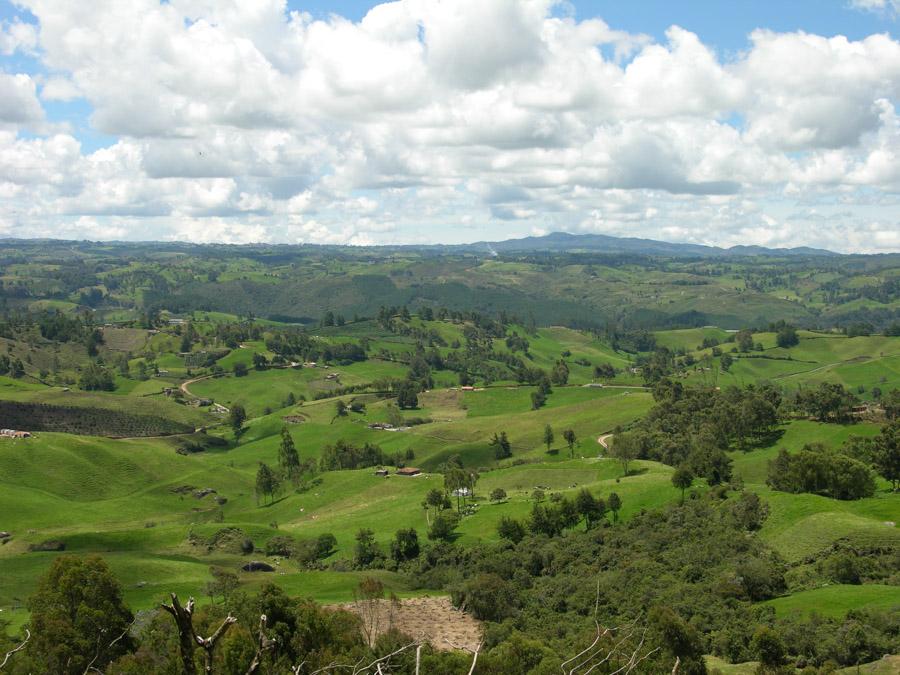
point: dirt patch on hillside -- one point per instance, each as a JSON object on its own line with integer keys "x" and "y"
{"x": 124, "y": 339}
{"x": 434, "y": 620}
{"x": 443, "y": 404}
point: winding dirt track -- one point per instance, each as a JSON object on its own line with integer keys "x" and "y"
{"x": 602, "y": 441}
{"x": 184, "y": 385}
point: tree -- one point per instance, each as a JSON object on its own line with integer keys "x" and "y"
{"x": 224, "y": 583}
{"x": 744, "y": 340}
{"x": 560, "y": 373}
{"x": 891, "y": 404}
{"x": 79, "y": 620}
{"x": 236, "y": 418}
{"x": 589, "y": 507}
{"x": 625, "y": 448}
{"x": 405, "y": 545}
{"x": 240, "y": 369}
{"x": 604, "y": 371}
{"x": 266, "y": 482}
{"x": 288, "y": 459}
{"x": 93, "y": 378}
{"x": 325, "y": 544}
{"x": 725, "y": 361}
{"x": 682, "y": 479}
{"x": 498, "y": 494}
{"x": 548, "y": 436}
{"x": 511, "y": 529}
{"x": 407, "y": 396}
{"x": 570, "y": 439}
{"x": 435, "y": 499}
{"x": 787, "y": 337}
{"x": 614, "y": 502}
{"x": 768, "y": 648}
{"x": 260, "y": 361}
{"x": 366, "y": 551}
{"x": 538, "y": 398}
{"x": 443, "y": 525}
{"x": 340, "y": 408}
{"x": 886, "y": 457}
{"x": 501, "y": 445}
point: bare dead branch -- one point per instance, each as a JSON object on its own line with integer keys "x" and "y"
{"x": 359, "y": 668}
{"x": 677, "y": 663}
{"x": 600, "y": 635}
{"x": 90, "y": 666}
{"x": 466, "y": 649}
{"x": 188, "y": 638}
{"x": 264, "y": 644}
{"x": 208, "y": 644}
{"x": 22, "y": 646}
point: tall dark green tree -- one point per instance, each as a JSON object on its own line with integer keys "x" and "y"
{"x": 591, "y": 508}
{"x": 886, "y": 457}
{"x": 267, "y": 482}
{"x": 79, "y": 619}
{"x": 625, "y": 448}
{"x": 502, "y": 447}
{"x": 682, "y": 479}
{"x": 548, "y": 436}
{"x": 288, "y": 458}
{"x": 614, "y": 502}
{"x": 570, "y": 439}
{"x": 236, "y": 418}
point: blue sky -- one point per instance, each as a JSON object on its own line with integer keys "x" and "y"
{"x": 216, "y": 120}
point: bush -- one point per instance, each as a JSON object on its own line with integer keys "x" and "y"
{"x": 282, "y": 545}
{"x": 49, "y": 545}
{"x": 487, "y": 596}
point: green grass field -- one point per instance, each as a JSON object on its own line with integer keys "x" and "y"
{"x": 119, "y": 498}
{"x": 835, "y": 601}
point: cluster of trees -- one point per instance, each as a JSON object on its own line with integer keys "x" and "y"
{"x": 829, "y": 402}
{"x": 695, "y": 572}
{"x": 11, "y": 366}
{"x": 344, "y": 455}
{"x": 551, "y": 517}
{"x": 695, "y": 427}
{"x": 847, "y": 473}
{"x": 290, "y": 468}
{"x": 95, "y": 377}
{"x": 818, "y": 470}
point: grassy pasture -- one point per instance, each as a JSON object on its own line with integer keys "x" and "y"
{"x": 101, "y": 495}
{"x": 259, "y": 390}
{"x": 838, "y": 599}
{"x": 117, "y": 498}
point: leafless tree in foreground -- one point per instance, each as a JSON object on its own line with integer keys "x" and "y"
{"x": 264, "y": 645}
{"x": 22, "y": 646}
{"x": 466, "y": 649}
{"x": 381, "y": 665}
{"x": 188, "y": 639}
{"x": 100, "y": 649}
{"x": 360, "y": 667}
{"x": 613, "y": 646}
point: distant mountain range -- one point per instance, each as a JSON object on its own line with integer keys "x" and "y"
{"x": 556, "y": 242}
{"x": 601, "y": 243}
